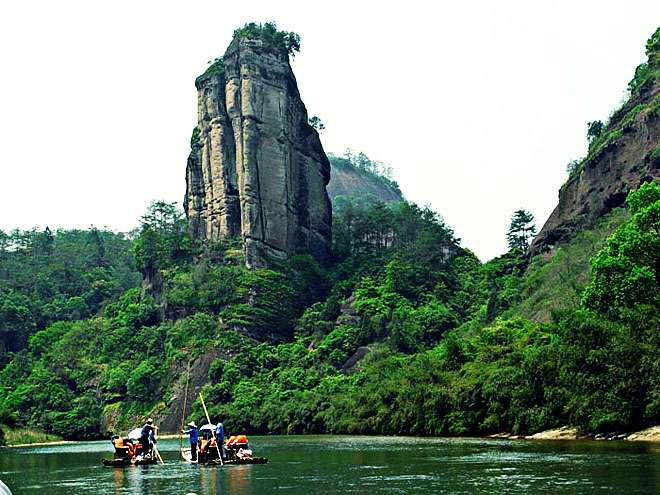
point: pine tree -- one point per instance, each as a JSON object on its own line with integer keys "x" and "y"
{"x": 521, "y": 230}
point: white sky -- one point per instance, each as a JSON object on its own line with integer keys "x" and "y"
{"x": 477, "y": 105}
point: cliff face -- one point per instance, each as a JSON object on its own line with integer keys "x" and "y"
{"x": 626, "y": 154}
{"x": 257, "y": 168}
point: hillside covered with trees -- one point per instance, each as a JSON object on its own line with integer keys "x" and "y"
{"x": 407, "y": 332}
{"x": 356, "y": 178}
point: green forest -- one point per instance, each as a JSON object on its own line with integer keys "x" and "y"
{"x": 405, "y": 331}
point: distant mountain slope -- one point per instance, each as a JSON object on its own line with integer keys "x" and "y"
{"x": 361, "y": 183}
{"x": 622, "y": 154}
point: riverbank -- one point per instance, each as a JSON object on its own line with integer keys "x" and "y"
{"x": 28, "y": 437}
{"x": 34, "y": 438}
{"x": 651, "y": 434}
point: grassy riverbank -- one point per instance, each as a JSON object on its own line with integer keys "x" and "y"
{"x": 27, "y": 436}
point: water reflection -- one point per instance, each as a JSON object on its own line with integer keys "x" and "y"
{"x": 208, "y": 480}
{"x": 118, "y": 476}
{"x": 238, "y": 480}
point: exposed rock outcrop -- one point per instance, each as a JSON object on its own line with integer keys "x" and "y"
{"x": 563, "y": 433}
{"x": 651, "y": 434}
{"x": 189, "y": 383}
{"x": 257, "y": 168}
{"x": 625, "y": 155}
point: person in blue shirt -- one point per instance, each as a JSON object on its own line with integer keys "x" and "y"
{"x": 220, "y": 438}
{"x": 148, "y": 432}
{"x": 194, "y": 439}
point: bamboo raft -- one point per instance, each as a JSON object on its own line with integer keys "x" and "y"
{"x": 232, "y": 460}
{"x": 127, "y": 461}
{"x": 186, "y": 456}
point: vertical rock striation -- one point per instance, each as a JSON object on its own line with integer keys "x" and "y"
{"x": 257, "y": 168}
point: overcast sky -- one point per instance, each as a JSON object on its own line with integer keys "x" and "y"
{"x": 477, "y": 105}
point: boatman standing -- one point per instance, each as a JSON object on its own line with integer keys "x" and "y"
{"x": 220, "y": 438}
{"x": 147, "y": 433}
{"x": 194, "y": 438}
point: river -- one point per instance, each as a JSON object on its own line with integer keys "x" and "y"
{"x": 331, "y": 464}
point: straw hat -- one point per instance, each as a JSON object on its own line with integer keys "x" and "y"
{"x": 192, "y": 423}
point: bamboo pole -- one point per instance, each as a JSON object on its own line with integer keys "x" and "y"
{"x": 158, "y": 455}
{"x": 208, "y": 418}
{"x": 183, "y": 412}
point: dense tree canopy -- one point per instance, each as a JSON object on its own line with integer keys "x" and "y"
{"x": 405, "y": 333}
{"x": 64, "y": 275}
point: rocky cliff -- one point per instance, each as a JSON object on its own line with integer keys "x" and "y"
{"x": 625, "y": 154}
{"x": 257, "y": 168}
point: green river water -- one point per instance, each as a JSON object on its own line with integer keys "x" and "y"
{"x": 331, "y": 464}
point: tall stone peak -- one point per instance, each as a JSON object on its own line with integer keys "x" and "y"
{"x": 257, "y": 169}
{"x": 625, "y": 154}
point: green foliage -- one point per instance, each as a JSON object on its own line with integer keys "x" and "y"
{"x": 286, "y": 41}
{"x": 511, "y": 375}
{"x": 163, "y": 240}
{"x": 649, "y": 71}
{"x": 65, "y": 275}
{"x": 626, "y": 272}
{"x": 573, "y": 167}
{"x": 503, "y": 279}
{"x": 215, "y": 68}
{"x": 194, "y": 138}
{"x": 144, "y": 380}
{"x": 359, "y": 181}
{"x": 603, "y": 141}
{"x": 26, "y": 436}
{"x": 603, "y": 373}
{"x": 594, "y": 130}
{"x": 521, "y": 230}
{"x": 267, "y": 304}
{"x": 316, "y": 123}
{"x": 555, "y": 281}
{"x": 405, "y": 333}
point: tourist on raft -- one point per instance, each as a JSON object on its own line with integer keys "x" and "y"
{"x": 194, "y": 439}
